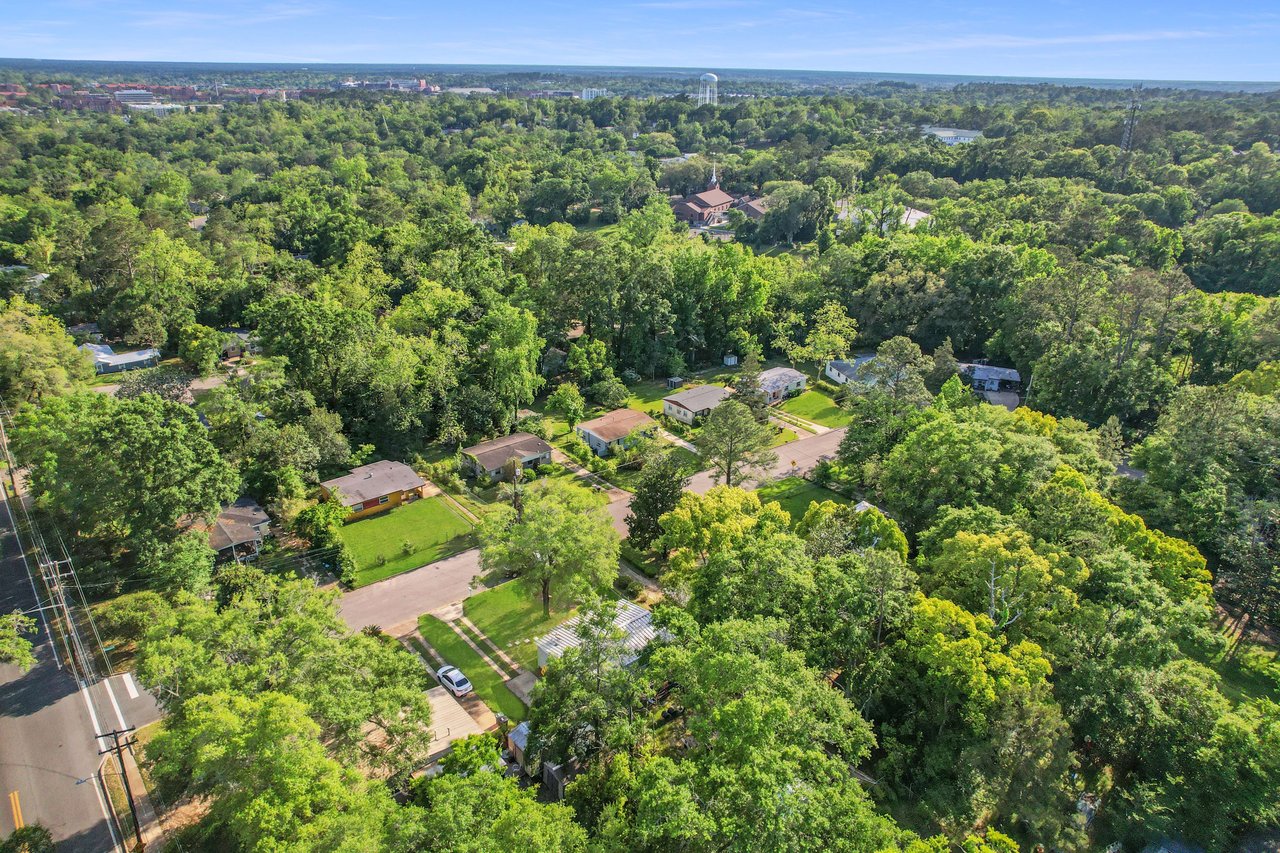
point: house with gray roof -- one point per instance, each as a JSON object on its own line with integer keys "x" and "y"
{"x": 238, "y": 531}
{"x": 107, "y": 360}
{"x": 689, "y": 405}
{"x": 779, "y": 383}
{"x": 490, "y": 458}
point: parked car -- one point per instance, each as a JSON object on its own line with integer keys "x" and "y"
{"x": 454, "y": 681}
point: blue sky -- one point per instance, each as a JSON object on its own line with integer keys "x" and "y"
{"x": 1144, "y": 39}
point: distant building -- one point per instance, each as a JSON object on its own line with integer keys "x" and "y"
{"x": 702, "y": 208}
{"x": 135, "y": 96}
{"x": 950, "y": 135}
{"x": 375, "y": 487}
{"x": 984, "y": 377}
{"x": 590, "y": 93}
{"x": 688, "y": 406}
{"x": 779, "y": 383}
{"x": 490, "y": 458}
{"x": 753, "y": 208}
{"x": 157, "y": 109}
{"x": 106, "y": 360}
{"x": 608, "y": 433}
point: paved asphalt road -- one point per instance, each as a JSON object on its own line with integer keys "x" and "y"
{"x": 48, "y": 752}
{"x": 395, "y": 604}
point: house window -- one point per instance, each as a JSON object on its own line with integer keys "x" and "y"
{"x": 383, "y": 499}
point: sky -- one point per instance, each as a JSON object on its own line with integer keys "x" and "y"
{"x": 1130, "y": 39}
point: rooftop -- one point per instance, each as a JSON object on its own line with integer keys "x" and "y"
{"x": 495, "y": 452}
{"x": 103, "y": 354}
{"x": 635, "y": 623}
{"x": 777, "y": 378}
{"x": 237, "y": 524}
{"x": 617, "y": 424}
{"x": 697, "y": 399}
{"x": 373, "y": 481}
{"x": 987, "y": 371}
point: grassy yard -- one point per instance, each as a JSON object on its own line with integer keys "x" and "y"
{"x": 817, "y": 407}
{"x": 783, "y": 437}
{"x": 405, "y": 538}
{"x": 488, "y": 685}
{"x": 795, "y": 494}
{"x": 511, "y": 616}
{"x": 1252, "y": 672}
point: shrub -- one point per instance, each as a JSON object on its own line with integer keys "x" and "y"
{"x": 406, "y": 547}
{"x": 534, "y": 425}
{"x": 628, "y": 586}
{"x": 630, "y": 377}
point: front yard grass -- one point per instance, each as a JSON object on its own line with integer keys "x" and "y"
{"x": 795, "y": 494}
{"x": 405, "y": 538}
{"x": 511, "y": 616}
{"x": 488, "y": 685}
{"x": 817, "y": 407}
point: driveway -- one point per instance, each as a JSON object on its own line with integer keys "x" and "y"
{"x": 392, "y": 603}
{"x": 795, "y": 459}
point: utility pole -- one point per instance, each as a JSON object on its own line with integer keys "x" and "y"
{"x": 118, "y": 748}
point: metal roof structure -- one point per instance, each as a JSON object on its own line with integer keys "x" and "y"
{"x": 635, "y": 623}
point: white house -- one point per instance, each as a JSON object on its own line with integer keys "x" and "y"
{"x": 779, "y": 383}
{"x": 688, "y": 406}
{"x": 609, "y": 432}
{"x": 842, "y": 372}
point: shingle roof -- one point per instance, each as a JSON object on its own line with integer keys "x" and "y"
{"x": 373, "y": 481}
{"x": 635, "y": 623}
{"x": 494, "y": 453}
{"x": 237, "y": 524}
{"x": 697, "y": 399}
{"x": 711, "y": 198}
{"x": 615, "y": 425}
{"x": 777, "y": 378}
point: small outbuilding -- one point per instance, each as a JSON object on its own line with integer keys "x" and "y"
{"x": 375, "y": 487}
{"x": 688, "y": 406}
{"x": 608, "y": 433}
{"x": 491, "y": 458}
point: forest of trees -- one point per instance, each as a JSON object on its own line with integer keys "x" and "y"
{"x": 1014, "y": 627}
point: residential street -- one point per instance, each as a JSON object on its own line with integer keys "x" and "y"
{"x": 48, "y": 753}
{"x": 395, "y": 604}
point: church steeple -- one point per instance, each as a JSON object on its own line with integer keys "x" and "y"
{"x": 715, "y": 182}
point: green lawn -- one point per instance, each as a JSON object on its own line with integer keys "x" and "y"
{"x": 783, "y": 437}
{"x": 817, "y": 407}
{"x": 488, "y": 685}
{"x": 795, "y": 494}
{"x": 647, "y": 396}
{"x": 432, "y": 528}
{"x": 511, "y": 616}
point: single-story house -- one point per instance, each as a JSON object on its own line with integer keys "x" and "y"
{"x": 489, "y": 458}
{"x": 518, "y": 744}
{"x": 88, "y": 332}
{"x": 107, "y": 360}
{"x": 375, "y": 487}
{"x": 779, "y": 383}
{"x": 239, "y": 343}
{"x": 238, "y": 530}
{"x": 633, "y": 621}
{"x": 843, "y": 372}
{"x": 609, "y": 432}
{"x": 688, "y": 406}
{"x": 950, "y": 135}
{"x": 984, "y": 377}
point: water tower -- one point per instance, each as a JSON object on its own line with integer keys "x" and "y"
{"x": 707, "y": 91}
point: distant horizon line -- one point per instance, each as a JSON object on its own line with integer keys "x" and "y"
{"x": 668, "y": 69}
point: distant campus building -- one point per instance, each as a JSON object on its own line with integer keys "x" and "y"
{"x": 950, "y": 135}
